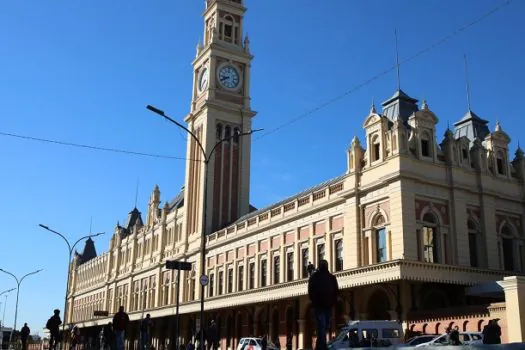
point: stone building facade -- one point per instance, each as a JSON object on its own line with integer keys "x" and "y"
{"x": 414, "y": 222}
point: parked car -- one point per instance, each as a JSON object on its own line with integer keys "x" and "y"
{"x": 254, "y": 344}
{"x": 420, "y": 339}
{"x": 466, "y": 338}
{"x": 354, "y": 333}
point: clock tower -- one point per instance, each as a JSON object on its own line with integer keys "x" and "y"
{"x": 220, "y": 109}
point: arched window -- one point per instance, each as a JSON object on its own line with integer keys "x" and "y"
{"x": 473, "y": 243}
{"x": 426, "y": 145}
{"x": 500, "y": 163}
{"x": 229, "y": 30}
{"x": 430, "y": 238}
{"x": 376, "y": 148}
{"x": 507, "y": 243}
{"x": 380, "y": 239}
{"x": 219, "y": 131}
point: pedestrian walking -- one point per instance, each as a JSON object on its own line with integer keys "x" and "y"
{"x": 24, "y": 336}
{"x": 212, "y": 336}
{"x": 108, "y": 337}
{"x": 53, "y": 325}
{"x": 145, "y": 332}
{"x": 323, "y": 291}
{"x": 120, "y": 323}
{"x": 75, "y": 338}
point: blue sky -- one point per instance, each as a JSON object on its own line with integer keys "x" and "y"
{"x": 83, "y": 71}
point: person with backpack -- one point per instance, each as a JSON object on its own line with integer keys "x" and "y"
{"x": 53, "y": 325}
{"x": 323, "y": 291}
{"x": 120, "y": 323}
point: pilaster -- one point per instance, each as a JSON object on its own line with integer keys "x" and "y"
{"x": 514, "y": 288}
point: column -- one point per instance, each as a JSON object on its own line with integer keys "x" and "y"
{"x": 301, "y": 333}
{"x": 297, "y": 269}
{"x": 159, "y": 283}
{"x": 514, "y": 287}
{"x": 284, "y": 259}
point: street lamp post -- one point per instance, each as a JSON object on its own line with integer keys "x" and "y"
{"x": 70, "y": 250}
{"x": 5, "y": 304}
{"x": 206, "y": 160}
{"x": 18, "y": 282}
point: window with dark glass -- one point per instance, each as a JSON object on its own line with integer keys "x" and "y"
{"x": 320, "y": 252}
{"x": 377, "y": 151}
{"x": 240, "y": 279}
{"x": 289, "y": 266}
{"x": 276, "y": 268}
{"x": 473, "y": 243}
{"x": 304, "y": 262}
{"x": 500, "y": 165}
{"x": 221, "y": 282}
{"x": 339, "y": 255}
{"x": 430, "y": 246}
{"x": 425, "y": 148}
{"x": 211, "y": 284}
{"x": 381, "y": 245}
{"x": 264, "y": 273}
{"x": 252, "y": 275}
{"x": 230, "y": 280}
{"x": 465, "y": 153}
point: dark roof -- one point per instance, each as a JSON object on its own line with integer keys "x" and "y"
{"x": 471, "y": 126}
{"x": 177, "y": 202}
{"x": 286, "y": 200}
{"x": 88, "y": 253}
{"x": 133, "y": 219}
{"x": 399, "y": 105}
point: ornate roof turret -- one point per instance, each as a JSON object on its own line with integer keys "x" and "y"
{"x": 399, "y": 105}
{"x": 89, "y": 252}
{"x": 134, "y": 218}
{"x": 471, "y": 126}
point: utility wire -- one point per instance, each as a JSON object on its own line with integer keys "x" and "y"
{"x": 366, "y": 82}
{"x": 71, "y": 144}
{"x": 296, "y": 119}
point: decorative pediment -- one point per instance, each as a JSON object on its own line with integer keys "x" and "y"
{"x": 499, "y": 134}
{"x": 425, "y": 115}
{"x": 372, "y": 119}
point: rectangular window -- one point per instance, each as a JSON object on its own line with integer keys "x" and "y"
{"x": 429, "y": 245}
{"x": 240, "y": 279}
{"x": 264, "y": 273}
{"x": 221, "y": 282}
{"x": 192, "y": 289}
{"x": 377, "y": 153}
{"x": 276, "y": 269}
{"x": 320, "y": 252}
{"x": 473, "y": 249}
{"x": 425, "y": 148}
{"x": 508, "y": 254}
{"x": 289, "y": 266}
{"x": 381, "y": 245}
{"x": 211, "y": 284}
{"x": 252, "y": 275}
{"x": 304, "y": 263}
{"x": 338, "y": 255}
{"x": 230, "y": 280}
{"x": 501, "y": 169}
{"x": 465, "y": 154}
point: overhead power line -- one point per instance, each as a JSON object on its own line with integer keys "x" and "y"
{"x": 377, "y": 76}
{"x": 71, "y": 144}
{"x": 296, "y": 119}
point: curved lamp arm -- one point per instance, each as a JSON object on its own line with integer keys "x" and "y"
{"x": 29, "y": 274}
{"x": 57, "y": 233}
{"x": 12, "y": 275}
{"x": 7, "y": 291}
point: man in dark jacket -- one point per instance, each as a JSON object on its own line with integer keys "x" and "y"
{"x": 212, "y": 336}
{"x": 323, "y": 291}
{"x": 120, "y": 323}
{"x": 53, "y": 324}
{"x": 24, "y": 335}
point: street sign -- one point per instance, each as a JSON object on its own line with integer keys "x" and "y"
{"x": 204, "y": 280}
{"x": 178, "y": 265}
{"x": 100, "y": 313}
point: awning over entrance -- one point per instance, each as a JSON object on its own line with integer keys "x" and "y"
{"x": 487, "y": 289}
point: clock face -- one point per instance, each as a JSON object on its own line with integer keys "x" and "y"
{"x": 203, "y": 81}
{"x": 229, "y": 77}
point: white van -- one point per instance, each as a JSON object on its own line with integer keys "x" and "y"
{"x": 355, "y": 334}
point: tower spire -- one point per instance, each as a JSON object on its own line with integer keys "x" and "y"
{"x": 467, "y": 83}
{"x": 397, "y": 62}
